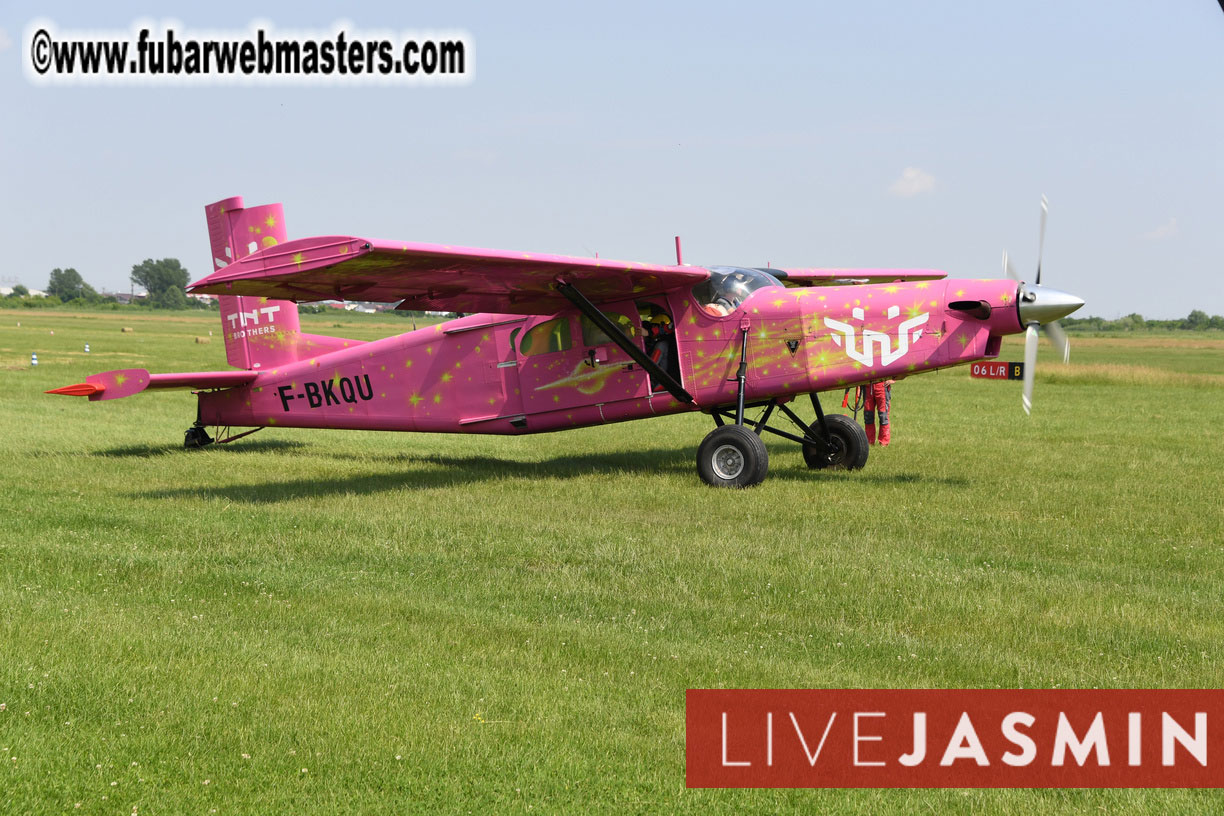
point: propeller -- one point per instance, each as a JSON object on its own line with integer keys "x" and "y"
{"x": 1040, "y": 306}
{"x": 1030, "y": 364}
{"x": 1045, "y": 212}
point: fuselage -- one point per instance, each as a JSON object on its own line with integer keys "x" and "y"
{"x": 513, "y": 374}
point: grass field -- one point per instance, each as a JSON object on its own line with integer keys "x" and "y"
{"x": 345, "y": 622}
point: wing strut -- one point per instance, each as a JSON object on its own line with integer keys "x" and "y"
{"x": 617, "y": 336}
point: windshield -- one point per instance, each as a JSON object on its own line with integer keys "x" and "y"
{"x": 728, "y": 287}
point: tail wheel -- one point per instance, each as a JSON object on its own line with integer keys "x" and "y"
{"x": 849, "y": 442}
{"x": 196, "y": 437}
{"x": 732, "y": 456}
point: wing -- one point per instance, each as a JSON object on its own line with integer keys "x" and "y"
{"x": 841, "y": 277}
{"x": 436, "y": 277}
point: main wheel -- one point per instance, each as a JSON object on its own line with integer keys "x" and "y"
{"x": 849, "y": 446}
{"x": 732, "y": 456}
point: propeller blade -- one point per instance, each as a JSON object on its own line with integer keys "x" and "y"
{"x": 1030, "y": 363}
{"x": 1059, "y": 338}
{"x": 1045, "y": 211}
{"x": 1008, "y": 269}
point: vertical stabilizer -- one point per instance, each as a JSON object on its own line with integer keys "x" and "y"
{"x": 259, "y": 332}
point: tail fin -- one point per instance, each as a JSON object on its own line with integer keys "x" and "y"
{"x": 259, "y": 333}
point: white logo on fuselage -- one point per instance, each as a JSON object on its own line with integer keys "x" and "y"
{"x": 907, "y": 332}
{"x": 240, "y": 318}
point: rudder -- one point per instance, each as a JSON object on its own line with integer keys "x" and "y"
{"x": 259, "y": 332}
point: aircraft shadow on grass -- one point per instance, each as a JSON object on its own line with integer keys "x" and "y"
{"x": 145, "y": 451}
{"x": 427, "y": 472}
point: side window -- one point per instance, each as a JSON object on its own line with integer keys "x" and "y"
{"x": 592, "y": 335}
{"x": 551, "y": 335}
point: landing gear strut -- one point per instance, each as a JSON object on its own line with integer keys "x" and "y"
{"x": 733, "y": 455}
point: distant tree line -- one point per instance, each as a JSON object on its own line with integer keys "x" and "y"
{"x": 165, "y": 281}
{"x": 1197, "y": 320}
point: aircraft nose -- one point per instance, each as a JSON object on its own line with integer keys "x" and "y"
{"x": 1041, "y": 304}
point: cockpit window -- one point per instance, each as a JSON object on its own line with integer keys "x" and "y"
{"x": 728, "y": 287}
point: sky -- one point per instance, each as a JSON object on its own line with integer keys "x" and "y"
{"x": 795, "y": 134}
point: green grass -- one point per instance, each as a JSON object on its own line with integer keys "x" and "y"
{"x": 473, "y": 624}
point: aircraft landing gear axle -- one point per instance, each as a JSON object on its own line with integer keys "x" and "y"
{"x": 733, "y": 455}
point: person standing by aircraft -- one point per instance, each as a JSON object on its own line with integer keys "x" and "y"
{"x": 875, "y": 399}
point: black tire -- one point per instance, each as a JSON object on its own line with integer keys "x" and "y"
{"x": 732, "y": 456}
{"x": 849, "y": 446}
{"x": 196, "y": 437}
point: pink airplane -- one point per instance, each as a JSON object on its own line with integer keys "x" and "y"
{"x": 552, "y": 342}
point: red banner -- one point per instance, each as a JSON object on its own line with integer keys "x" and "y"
{"x": 997, "y": 371}
{"x": 944, "y": 738}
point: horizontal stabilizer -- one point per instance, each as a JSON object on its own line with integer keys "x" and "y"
{"x": 128, "y": 381}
